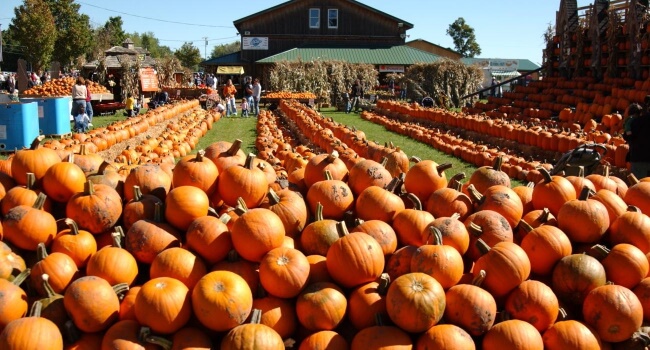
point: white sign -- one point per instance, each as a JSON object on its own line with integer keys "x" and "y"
{"x": 255, "y": 43}
{"x": 3, "y": 132}
{"x": 506, "y": 65}
{"x": 41, "y": 112}
{"x": 391, "y": 68}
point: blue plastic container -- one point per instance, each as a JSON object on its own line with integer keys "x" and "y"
{"x": 53, "y": 114}
{"x": 18, "y": 125}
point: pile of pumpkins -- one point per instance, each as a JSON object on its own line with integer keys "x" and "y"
{"x": 213, "y": 253}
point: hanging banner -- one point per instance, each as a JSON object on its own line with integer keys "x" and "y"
{"x": 497, "y": 64}
{"x": 255, "y": 43}
{"x": 391, "y": 68}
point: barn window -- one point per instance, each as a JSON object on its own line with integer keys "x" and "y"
{"x": 332, "y": 18}
{"x": 314, "y": 18}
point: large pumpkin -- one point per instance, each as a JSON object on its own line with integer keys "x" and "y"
{"x": 31, "y": 333}
{"x": 570, "y": 334}
{"x": 415, "y": 302}
{"x": 252, "y": 336}
{"x": 324, "y": 340}
{"x": 147, "y": 238}
{"x": 613, "y": 311}
{"x": 290, "y": 208}
{"x": 180, "y": 264}
{"x": 184, "y": 204}
{"x": 442, "y": 262}
{"x": 316, "y": 166}
{"x": 96, "y": 209}
{"x": 78, "y": 244}
{"x": 151, "y": 179}
{"x": 284, "y": 272}
{"x": 552, "y": 192}
{"x": 27, "y": 226}
{"x": 545, "y": 246}
{"x": 377, "y": 203}
{"x": 368, "y": 301}
{"x": 574, "y": 276}
{"x": 534, "y": 302}
{"x": 471, "y": 307}
{"x": 631, "y": 227}
{"x": 366, "y": 173}
{"x": 445, "y": 337}
{"x": 487, "y": 176}
{"x": 335, "y": 196}
{"x": 35, "y": 160}
{"x": 209, "y": 237}
{"x": 196, "y": 170}
{"x": 113, "y": 263}
{"x": 141, "y": 207}
{"x": 13, "y": 299}
{"x": 354, "y": 259}
{"x": 163, "y": 304}
{"x": 506, "y": 264}
{"x": 513, "y": 335}
{"x": 583, "y": 220}
{"x": 221, "y": 300}
{"x": 92, "y": 303}
{"x": 256, "y": 232}
{"x": 425, "y": 177}
{"x": 321, "y": 306}
{"x": 381, "y": 337}
{"x": 246, "y": 181}
{"x": 62, "y": 180}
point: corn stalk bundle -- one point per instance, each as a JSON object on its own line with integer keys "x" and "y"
{"x": 130, "y": 76}
{"x": 166, "y": 69}
{"x": 446, "y": 81}
{"x": 326, "y": 79}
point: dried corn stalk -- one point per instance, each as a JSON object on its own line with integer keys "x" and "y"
{"x": 446, "y": 81}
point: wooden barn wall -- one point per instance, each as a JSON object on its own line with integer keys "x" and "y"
{"x": 288, "y": 28}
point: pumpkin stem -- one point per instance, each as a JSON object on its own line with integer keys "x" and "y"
{"x": 212, "y": 212}
{"x": 332, "y": 156}
{"x": 384, "y": 282}
{"x": 442, "y": 167}
{"x": 358, "y": 222}
{"x": 158, "y": 212}
{"x": 36, "y": 142}
{"x": 475, "y": 229}
{"x": 454, "y": 181}
{"x": 241, "y": 207}
{"x": 478, "y": 279}
{"x": 384, "y": 161}
{"x": 83, "y": 150}
{"x": 273, "y": 197}
{"x": 327, "y": 174}
{"x": 436, "y": 234}
{"x": 35, "y": 311}
{"x": 600, "y": 250}
{"x": 225, "y": 218}
{"x": 417, "y": 204}
{"x": 544, "y": 216}
{"x": 21, "y": 277}
{"x": 40, "y": 201}
{"x": 120, "y": 289}
{"x": 586, "y": 193}
{"x": 415, "y": 159}
{"x": 530, "y": 184}
{"x": 256, "y": 316}
{"x": 31, "y": 180}
{"x": 72, "y": 225}
{"x": 633, "y": 209}
{"x": 498, "y": 161}
{"x": 523, "y": 225}
{"x": 475, "y": 195}
{"x": 483, "y": 247}
{"x": 563, "y": 315}
{"x": 250, "y": 161}
{"x": 144, "y": 336}
{"x": 342, "y": 229}
{"x": 581, "y": 171}
{"x": 117, "y": 237}
{"x": 606, "y": 171}
{"x": 89, "y": 188}
{"x": 632, "y": 179}
{"x": 70, "y": 157}
{"x": 137, "y": 193}
{"x": 48, "y": 287}
{"x": 41, "y": 251}
{"x": 199, "y": 156}
{"x": 547, "y": 176}
{"x": 234, "y": 148}
{"x": 319, "y": 212}
{"x": 455, "y": 216}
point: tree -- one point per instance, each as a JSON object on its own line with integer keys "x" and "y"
{"x": 464, "y": 38}
{"x": 116, "y": 34}
{"x": 33, "y": 27}
{"x": 189, "y": 55}
{"x": 74, "y": 33}
{"x": 149, "y": 41}
{"x": 225, "y": 49}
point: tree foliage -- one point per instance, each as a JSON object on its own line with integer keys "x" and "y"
{"x": 114, "y": 31}
{"x": 149, "y": 41}
{"x": 464, "y": 38}
{"x": 34, "y": 29}
{"x": 225, "y": 49}
{"x": 106, "y": 36}
{"x": 189, "y": 55}
{"x": 74, "y": 34}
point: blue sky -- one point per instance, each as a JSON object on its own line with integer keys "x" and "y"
{"x": 504, "y": 28}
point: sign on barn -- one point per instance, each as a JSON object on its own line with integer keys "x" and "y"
{"x": 255, "y": 43}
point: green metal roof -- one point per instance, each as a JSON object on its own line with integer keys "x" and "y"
{"x": 523, "y": 65}
{"x": 390, "y": 55}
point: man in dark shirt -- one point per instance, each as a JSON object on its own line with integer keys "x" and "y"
{"x": 356, "y": 95}
{"x": 639, "y": 140}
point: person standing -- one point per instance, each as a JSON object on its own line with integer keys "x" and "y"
{"x": 638, "y": 138}
{"x": 357, "y": 95}
{"x": 248, "y": 91}
{"x": 89, "y": 106}
{"x": 229, "y": 92}
{"x": 257, "y": 93}
{"x": 129, "y": 106}
{"x": 79, "y": 95}
{"x": 493, "y": 90}
{"x": 244, "y": 107}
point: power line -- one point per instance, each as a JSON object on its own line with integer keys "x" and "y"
{"x": 155, "y": 19}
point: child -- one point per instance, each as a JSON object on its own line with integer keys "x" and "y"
{"x": 81, "y": 120}
{"x": 244, "y": 107}
{"x": 129, "y": 106}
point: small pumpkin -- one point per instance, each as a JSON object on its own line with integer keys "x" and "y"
{"x": 613, "y": 311}
{"x": 415, "y": 302}
{"x": 321, "y": 306}
{"x": 93, "y": 305}
{"x": 163, "y": 304}
{"x": 252, "y": 335}
{"x": 31, "y": 333}
{"x": 221, "y": 300}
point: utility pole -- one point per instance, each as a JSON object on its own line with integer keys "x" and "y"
{"x": 205, "y": 50}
